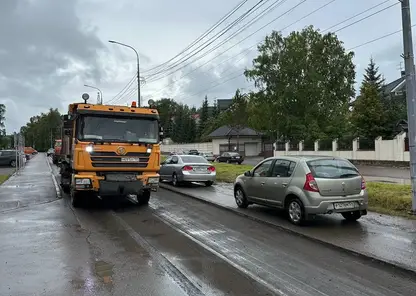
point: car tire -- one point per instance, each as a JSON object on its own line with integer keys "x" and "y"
{"x": 295, "y": 211}
{"x": 240, "y": 197}
{"x": 144, "y": 198}
{"x": 13, "y": 163}
{"x": 175, "y": 181}
{"x": 209, "y": 183}
{"x": 351, "y": 216}
{"x": 228, "y": 161}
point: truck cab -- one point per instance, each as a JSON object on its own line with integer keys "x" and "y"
{"x": 110, "y": 151}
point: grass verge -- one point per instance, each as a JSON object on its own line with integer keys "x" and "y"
{"x": 3, "y": 178}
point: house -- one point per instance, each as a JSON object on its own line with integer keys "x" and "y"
{"x": 396, "y": 88}
{"x": 226, "y": 138}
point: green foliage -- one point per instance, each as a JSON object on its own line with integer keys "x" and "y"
{"x": 372, "y": 75}
{"x": 2, "y": 126}
{"x": 203, "y": 117}
{"x": 184, "y": 126}
{"x": 167, "y": 109}
{"x": 41, "y": 131}
{"x": 368, "y": 118}
{"x": 305, "y": 83}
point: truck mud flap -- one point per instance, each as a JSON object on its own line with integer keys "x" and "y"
{"x": 111, "y": 188}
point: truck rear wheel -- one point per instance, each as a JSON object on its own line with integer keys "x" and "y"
{"x": 144, "y": 197}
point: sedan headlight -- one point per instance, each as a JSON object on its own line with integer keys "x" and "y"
{"x": 82, "y": 181}
{"x": 153, "y": 180}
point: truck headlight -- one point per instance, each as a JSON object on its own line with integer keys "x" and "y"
{"x": 153, "y": 180}
{"x": 89, "y": 148}
{"x": 83, "y": 181}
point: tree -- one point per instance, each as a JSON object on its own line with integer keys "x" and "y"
{"x": 41, "y": 130}
{"x": 215, "y": 109}
{"x": 203, "y": 117}
{"x": 373, "y": 76}
{"x": 305, "y": 82}
{"x": 368, "y": 118}
{"x": 236, "y": 115}
{"x": 167, "y": 109}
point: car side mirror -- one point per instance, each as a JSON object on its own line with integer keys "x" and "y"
{"x": 247, "y": 174}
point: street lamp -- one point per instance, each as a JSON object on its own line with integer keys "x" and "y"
{"x": 138, "y": 67}
{"x": 101, "y": 94}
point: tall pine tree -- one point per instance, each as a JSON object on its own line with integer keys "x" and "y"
{"x": 203, "y": 117}
{"x": 372, "y": 75}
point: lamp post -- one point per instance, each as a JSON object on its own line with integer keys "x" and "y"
{"x": 101, "y": 94}
{"x": 138, "y": 67}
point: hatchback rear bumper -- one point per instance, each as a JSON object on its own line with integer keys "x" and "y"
{"x": 330, "y": 206}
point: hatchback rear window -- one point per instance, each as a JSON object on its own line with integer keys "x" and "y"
{"x": 332, "y": 169}
{"x": 193, "y": 159}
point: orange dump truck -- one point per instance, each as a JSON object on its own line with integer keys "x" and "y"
{"x": 110, "y": 151}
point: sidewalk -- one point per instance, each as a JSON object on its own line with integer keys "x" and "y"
{"x": 32, "y": 185}
{"x": 386, "y": 239}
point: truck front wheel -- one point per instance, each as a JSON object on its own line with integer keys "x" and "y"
{"x": 144, "y": 197}
{"x": 76, "y": 199}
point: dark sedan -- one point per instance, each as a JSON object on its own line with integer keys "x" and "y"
{"x": 230, "y": 157}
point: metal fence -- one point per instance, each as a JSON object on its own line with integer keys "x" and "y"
{"x": 19, "y": 146}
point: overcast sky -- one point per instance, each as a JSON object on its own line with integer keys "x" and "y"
{"x": 50, "y": 48}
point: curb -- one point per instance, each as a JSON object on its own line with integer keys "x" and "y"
{"x": 364, "y": 256}
{"x": 55, "y": 182}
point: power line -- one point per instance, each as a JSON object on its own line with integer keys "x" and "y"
{"x": 247, "y": 50}
{"x": 125, "y": 88}
{"x": 206, "y": 33}
{"x": 376, "y": 39}
{"x": 212, "y": 39}
{"x": 366, "y": 17}
{"x": 275, "y": 19}
{"x": 241, "y": 74}
{"x": 355, "y": 15}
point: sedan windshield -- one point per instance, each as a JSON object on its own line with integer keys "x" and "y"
{"x": 118, "y": 129}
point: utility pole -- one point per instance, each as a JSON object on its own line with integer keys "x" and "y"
{"x": 409, "y": 67}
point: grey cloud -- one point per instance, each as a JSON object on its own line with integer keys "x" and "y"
{"x": 43, "y": 48}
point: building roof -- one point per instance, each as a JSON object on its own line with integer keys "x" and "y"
{"x": 227, "y": 131}
{"x": 396, "y": 85}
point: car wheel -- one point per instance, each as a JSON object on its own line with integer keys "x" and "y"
{"x": 228, "y": 161}
{"x": 175, "y": 181}
{"x": 13, "y": 163}
{"x": 351, "y": 216}
{"x": 240, "y": 197}
{"x": 144, "y": 198}
{"x": 209, "y": 183}
{"x": 295, "y": 211}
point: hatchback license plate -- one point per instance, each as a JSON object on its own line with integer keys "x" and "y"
{"x": 345, "y": 205}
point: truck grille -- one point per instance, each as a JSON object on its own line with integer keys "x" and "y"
{"x": 108, "y": 159}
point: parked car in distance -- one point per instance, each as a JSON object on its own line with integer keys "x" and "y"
{"x": 50, "y": 152}
{"x": 304, "y": 186}
{"x": 193, "y": 152}
{"x": 230, "y": 157}
{"x": 8, "y": 158}
{"x": 208, "y": 156}
{"x": 180, "y": 169}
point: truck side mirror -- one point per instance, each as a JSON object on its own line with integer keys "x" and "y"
{"x": 161, "y": 134}
{"x": 67, "y": 132}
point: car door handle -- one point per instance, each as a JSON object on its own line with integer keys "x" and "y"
{"x": 284, "y": 184}
{"x": 262, "y": 183}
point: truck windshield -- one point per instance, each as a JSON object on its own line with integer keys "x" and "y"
{"x": 118, "y": 129}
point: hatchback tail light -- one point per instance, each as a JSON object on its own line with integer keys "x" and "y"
{"x": 310, "y": 183}
{"x": 187, "y": 168}
{"x": 211, "y": 169}
{"x": 363, "y": 184}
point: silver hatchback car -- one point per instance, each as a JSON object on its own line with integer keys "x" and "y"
{"x": 304, "y": 186}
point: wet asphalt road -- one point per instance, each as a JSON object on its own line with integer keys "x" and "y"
{"x": 175, "y": 246}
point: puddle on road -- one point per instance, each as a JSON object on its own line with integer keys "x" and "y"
{"x": 104, "y": 270}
